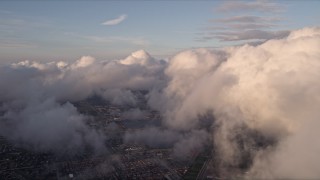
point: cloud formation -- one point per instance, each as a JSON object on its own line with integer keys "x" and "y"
{"x": 183, "y": 144}
{"x": 263, "y": 98}
{"x": 259, "y": 5}
{"x": 49, "y": 126}
{"x": 115, "y": 21}
{"x": 246, "y": 19}
{"x": 249, "y": 26}
{"x": 258, "y": 104}
{"x": 251, "y": 35}
{"x": 35, "y": 98}
{"x": 140, "y": 41}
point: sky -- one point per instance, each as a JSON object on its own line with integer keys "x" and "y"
{"x": 67, "y": 30}
{"x": 257, "y": 103}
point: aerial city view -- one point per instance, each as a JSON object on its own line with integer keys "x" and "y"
{"x": 166, "y": 90}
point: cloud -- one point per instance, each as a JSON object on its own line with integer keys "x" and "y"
{"x": 243, "y": 22}
{"x": 118, "y": 39}
{"x": 153, "y": 137}
{"x": 35, "y": 98}
{"x": 139, "y": 41}
{"x": 260, "y": 5}
{"x": 244, "y": 27}
{"x": 139, "y": 57}
{"x": 240, "y": 28}
{"x": 135, "y": 114}
{"x": 258, "y": 105}
{"x": 16, "y": 43}
{"x": 115, "y": 21}
{"x": 13, "y": 30}
{"x": 183, "y": 144}
{"x": 252, "y": 26}
{"x": 48, "y": 126}
{"x": 263, "y": 99}
{"x": 250, "y": 35}
{"x": 245, "y": 19}
{"x": 84, "y": 61}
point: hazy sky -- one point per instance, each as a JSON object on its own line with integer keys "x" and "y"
{"x": 60, "y": 30}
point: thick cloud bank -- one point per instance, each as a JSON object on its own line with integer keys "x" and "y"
{"x": 35, "y": 109}
{"x": 258, "y": 104}
{"x": 270, "y": 91}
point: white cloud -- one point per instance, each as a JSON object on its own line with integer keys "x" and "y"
{"x": 139, "y": 57}
{"x": 115, "y": 21}
{"x": 34, "y": 96}
{"x": 84, "y": 61}
{"x": 264, "y": 98}
{"x": 263, "y": 102}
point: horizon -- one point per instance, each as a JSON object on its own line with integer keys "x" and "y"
{"x": 159, "y": 89}
{"x": 56, "y": 30}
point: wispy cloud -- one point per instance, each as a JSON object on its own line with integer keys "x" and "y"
{"x": 244, "y": 35}
{"x": 244, "y": 22}
{"x": 247, "y": 25}
{"x": 119, "y": 39}
{"x": 246, "y": 19}
{"x": 15, "y": 43}
{"x": 137, "y": 40}
{"x": 16, "y": 30}
{"x": 115, "y": 21}
{"x": 263, "y": 6}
